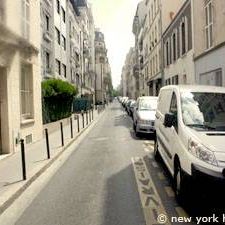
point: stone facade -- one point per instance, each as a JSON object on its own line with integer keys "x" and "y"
{"x": 178, "y": 48}
{"x": 209, "y": 42}
{"x": 20, "y": 76}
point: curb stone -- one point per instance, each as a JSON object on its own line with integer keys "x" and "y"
{"x": 6, "y": 204}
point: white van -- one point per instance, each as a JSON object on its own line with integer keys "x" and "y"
{"x": 190, "y": 134}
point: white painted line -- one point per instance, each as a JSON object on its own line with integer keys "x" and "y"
{"x": 150, "y": 199}
{"x": 169, "y": 191}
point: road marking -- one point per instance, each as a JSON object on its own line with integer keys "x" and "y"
{"x": 169, "y": 191}
{"x": 150, "y": 199}
{"x": 181, "y": 213}
{"x": 161, "y": 176}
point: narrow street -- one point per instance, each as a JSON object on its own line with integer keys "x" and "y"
{"x": 100, "y": 185}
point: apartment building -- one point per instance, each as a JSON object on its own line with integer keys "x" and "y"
{"x": 20, "y": 74}
{"x": 209, "y": 41}
{"x": 60, "y": 33}
{"x": 159, "y": 15}
{"x": 178, "y": 48}
{"x": 124, "y": 82}
{"x": 87, "y": 49}
{"x": 101, "y": 62}
{"x": 74, "y": 45}
{"x": 128, "y": 75}
{"x": 138, "y": 23}
{"x": 47, "y": 38}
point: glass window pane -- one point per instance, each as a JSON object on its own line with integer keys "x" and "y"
{"x": 210, "y": 12}
{"x": 210, "y": 36}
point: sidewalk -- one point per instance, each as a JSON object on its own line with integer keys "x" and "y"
{"x": 11, "y": 181}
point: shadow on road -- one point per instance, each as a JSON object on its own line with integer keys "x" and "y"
{"x": 122, "y": 205}
{"x": 198, "y": 202}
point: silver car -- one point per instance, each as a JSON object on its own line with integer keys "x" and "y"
{"x": 144, "y": 115}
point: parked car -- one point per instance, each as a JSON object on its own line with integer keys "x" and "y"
{"x": 127, "y": 106}
{"x": 144, "y": 115}
{"x": 190, "y": 134}
{"x": 130, "y": 109}
{"x": 125, "y": 103}
{"x": 124, "y": 100}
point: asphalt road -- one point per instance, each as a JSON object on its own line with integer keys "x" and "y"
{"x": 112, "y": 178}
{"x": 96, "y": 186}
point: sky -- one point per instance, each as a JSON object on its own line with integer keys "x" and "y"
{"x": 115, "y": 19}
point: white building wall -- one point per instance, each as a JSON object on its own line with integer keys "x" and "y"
{"x": 10, "y": 69}
{"x": 182, "y": 67}
{"x": 209, "y": 64}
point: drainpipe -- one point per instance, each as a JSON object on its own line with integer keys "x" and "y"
{"x": 162, "y": 48}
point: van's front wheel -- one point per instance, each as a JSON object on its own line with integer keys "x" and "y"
{"x": 156, "y": 150}
{"x": 179, "y": 184}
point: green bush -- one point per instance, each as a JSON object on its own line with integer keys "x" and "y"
{"x": 54, "y": 87}
{"x": 57, "y": 99}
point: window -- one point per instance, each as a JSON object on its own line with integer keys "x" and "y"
{"x": 58, "y": 6}
{"x": 174, "y": 42}
{"x": 209, "y": 25}
{"x": 173, "y": 105}
{"x": 64, "y": 70}
{"x": 64, "y": 42}
{"x": 183, "y": 38}
{"x": 58, "y": 66}
{"x": 156, "y": 62}
{"x": 26, "y": 92}
{"x": 47, "y": 22}
{"x": 47, "y": 60}
{"x": 167, "y": 53}
{"x": 58, "y": 35}
{"x": 63, "y": 15}
{"x": 173, "y": 109}
{"x": 156, "y": 34}
{"x": 77, "y": 79}
{"x": 26, "y": 18}
{"x": 218, "y": 77}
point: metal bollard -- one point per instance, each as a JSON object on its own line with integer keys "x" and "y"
{"x": 71, "y": 127}
{"x": 47, "y": 143}
{"x": 23, "y": 159}
{"x": 86, "y": 117}
{"x": 82, "y": 113}
{"x": 90, "y": 115}
{"x": 62, "y": 137}
{"x": 78, "y": 124}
